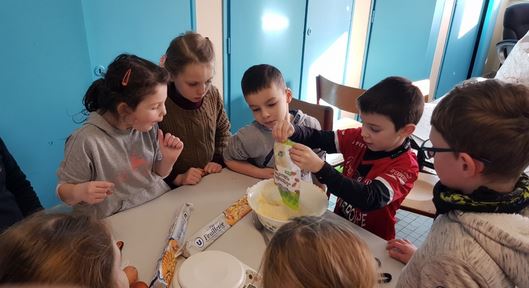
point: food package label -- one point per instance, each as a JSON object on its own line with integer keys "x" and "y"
{"x": 216, "y": 227}
{"x": 287, "y": 175}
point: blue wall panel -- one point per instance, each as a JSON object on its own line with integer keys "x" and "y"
{"x": 45, "y": 72}
{"x": 49, "y": 52}
{"x": 144, "y": 28}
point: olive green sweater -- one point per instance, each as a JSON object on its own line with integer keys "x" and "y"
{"x": 205, "y": 130}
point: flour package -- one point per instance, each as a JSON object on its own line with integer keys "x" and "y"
{"x": 287, "y": 175}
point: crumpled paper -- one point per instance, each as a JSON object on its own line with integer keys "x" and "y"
{"x": 515, "y": 69}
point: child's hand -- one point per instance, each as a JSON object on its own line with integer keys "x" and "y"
{"x": 401, "y": 249}
{"x": 191, "y": 177}
{"x": 212, "y": 167}
{"x": 283, "y": 129}
{"x": 93, "y": 192}
{"x": 305, "y": 158}
{"x": 267, "y": 173}
{"x": 170, "y": 145}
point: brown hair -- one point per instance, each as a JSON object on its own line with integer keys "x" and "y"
{"x": 394, "y": 97}
{"x": 188, "y": 48}
{"x": 259, "y": 77}
{"x": 128, "y": 79}
{"x": 318, "y": 252}
{"x": 488, "y": 120}
{"x": 57, "y": 249}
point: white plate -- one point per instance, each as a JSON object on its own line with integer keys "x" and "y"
{"x": 211, "y": 269}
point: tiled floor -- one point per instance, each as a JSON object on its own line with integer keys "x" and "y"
{"x": 411, "y": 226}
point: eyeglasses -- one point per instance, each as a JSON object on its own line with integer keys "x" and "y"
{"x": 430, "y": 151}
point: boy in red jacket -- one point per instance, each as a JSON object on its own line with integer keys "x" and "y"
{"x": 379, "y": 168}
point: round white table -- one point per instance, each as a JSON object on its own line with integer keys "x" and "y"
{"x": 145, "y": 228}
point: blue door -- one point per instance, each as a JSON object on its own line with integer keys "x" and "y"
{"x": 462, "y": 40}
{"x": 262, "y": 31}
{"x": 402, "y": 39}
{"x": 326, "y": 42}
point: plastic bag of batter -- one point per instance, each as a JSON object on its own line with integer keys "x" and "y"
{"x": 287, "y": 175}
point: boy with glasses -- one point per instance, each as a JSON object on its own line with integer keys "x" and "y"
{"x": 480, "y": 144}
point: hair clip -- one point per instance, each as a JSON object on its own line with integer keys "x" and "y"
{"x": 125, "y": 80}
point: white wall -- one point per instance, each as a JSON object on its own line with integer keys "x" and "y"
{"x": 209, "y": 24}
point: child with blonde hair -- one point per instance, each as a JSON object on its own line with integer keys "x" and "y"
{"x": 118, "y": 158}
{"x": 318, "y": 252}
{"x": 480, "y": 238}
{"x": 60, "y": 249}
{"x": 195, "y": 109}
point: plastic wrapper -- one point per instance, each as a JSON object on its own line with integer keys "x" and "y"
{"x": 167, "y": 263}
{"x": 214, "y": 229}
{"x": 287, "y": 175}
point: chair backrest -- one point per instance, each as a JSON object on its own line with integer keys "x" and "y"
{"x": 341, "y": 96}
{"x": 516, "y": 21}
{"x": 515, "y": 26}
{"x": 324, "y": 114}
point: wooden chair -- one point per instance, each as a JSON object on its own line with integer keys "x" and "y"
{"x": 341, "y": 96}
{"x": 324, "y": 114}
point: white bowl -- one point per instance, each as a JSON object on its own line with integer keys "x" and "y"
{"x": 265, "y": 200}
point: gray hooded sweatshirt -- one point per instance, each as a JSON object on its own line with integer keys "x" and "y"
{"x": 100, "y": 152}
{"x": 254, "y": 143}
{"x": 472, "y": 250}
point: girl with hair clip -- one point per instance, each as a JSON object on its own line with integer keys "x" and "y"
{"x": 195, "y": 109}
{"x": 60, "y": 249}
{"x": 118, "y": 158}
{"x": 318, "y": 252}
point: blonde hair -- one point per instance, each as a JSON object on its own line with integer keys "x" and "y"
{"x": 488, "y": 120}
{"x": 318, "y": 252}
{"x": 57, "y": 249}
{"x": 188, "y": 48}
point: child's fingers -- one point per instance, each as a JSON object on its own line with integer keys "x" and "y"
{"x": 168, "y": 139}
{"x": 397, "y": 244}
{"x": 178, "y": 143}
{"x": 396, "y": 254}
{"x": 392, "y": 245}
{"x": 276, "y": 132}
{"x": 103, "y": 184}
{"x": 172, "y": 141}
{"x": 280, "y": 131}
{"x": 160, "y": 137}
{"x": 102, "y": 192}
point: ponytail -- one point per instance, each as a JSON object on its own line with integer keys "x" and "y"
{"x": 128, "y": 80}
{"x": 93, "y": 95}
